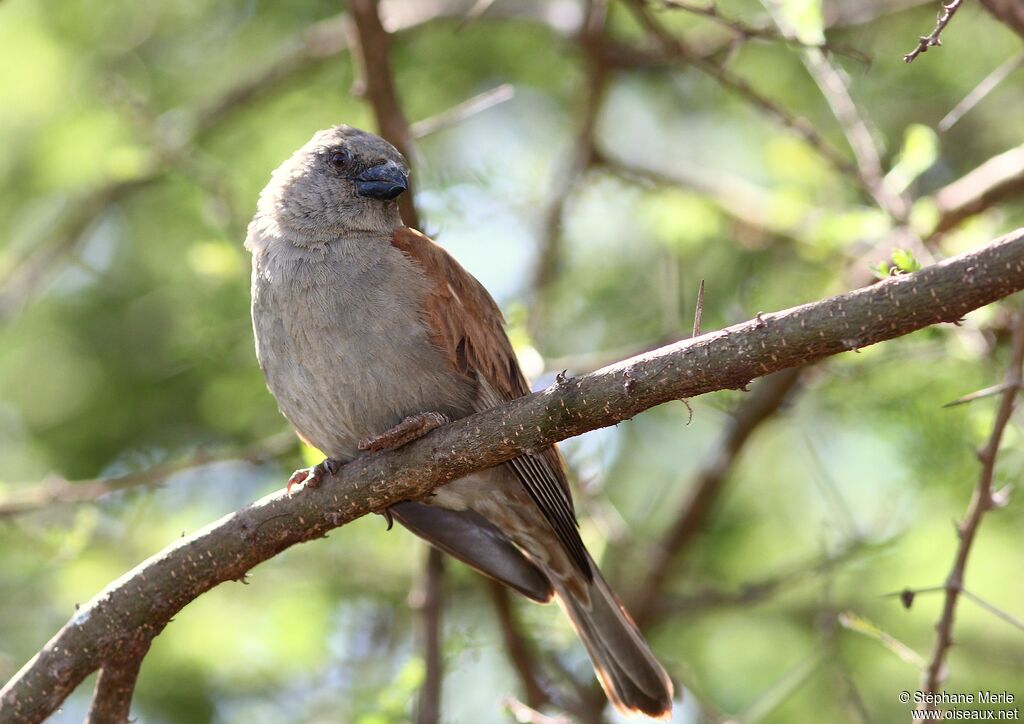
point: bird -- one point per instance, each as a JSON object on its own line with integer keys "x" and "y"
{"x": 370, "y": 335}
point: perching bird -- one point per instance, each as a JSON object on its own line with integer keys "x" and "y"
{"x": 371, "y": 335}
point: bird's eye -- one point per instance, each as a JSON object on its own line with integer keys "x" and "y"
{"x": 338, "y": 158}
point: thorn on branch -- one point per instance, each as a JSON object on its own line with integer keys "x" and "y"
{"x": 698, "y": 313}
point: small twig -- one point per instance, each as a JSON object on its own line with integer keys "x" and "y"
{"x": 462, "y": 111}
{"x": 981, "y": 502}
{"x": 979, "y": 395}
{"x": 994, "y": 610}
{"x": 927, "y": 41}
{"x": 983, "y": 88}
{"x": 907, "y": 596}
{"x": 480, "y": 7}
{"x": 854, "y": 622}
{"x": 800, "y": 126}
{"x": 58, "y": 490}
{"x": 745, "y": 31}
{"x": 698, "y": 313}
{"x": 835, "y": 89}
{"x": 428, "y": 706}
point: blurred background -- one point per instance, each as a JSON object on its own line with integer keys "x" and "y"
{"x": 590, "y": 164}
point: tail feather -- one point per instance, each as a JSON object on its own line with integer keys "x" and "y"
{"x": 631, "y": 677}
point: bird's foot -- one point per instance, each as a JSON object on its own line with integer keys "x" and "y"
{"x": 409, "y": 429}
{"x": 310, "y": 477}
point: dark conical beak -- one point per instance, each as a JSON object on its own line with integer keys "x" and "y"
{"x": 384, "y": 182}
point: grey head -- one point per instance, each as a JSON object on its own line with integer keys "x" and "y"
{"x": 344, "y": 181}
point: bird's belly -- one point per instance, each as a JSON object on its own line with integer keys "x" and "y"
{"x": 347, "y": 366}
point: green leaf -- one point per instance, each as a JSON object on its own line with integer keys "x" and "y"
{"x": 919, "y": 152}
{"x": 805, "y": 19}
{"x": 905, "y": 260}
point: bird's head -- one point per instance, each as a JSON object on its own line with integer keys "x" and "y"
{"x": 343, "y": 181}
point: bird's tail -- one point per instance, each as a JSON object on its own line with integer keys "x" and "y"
{"x": 631, "y": 677}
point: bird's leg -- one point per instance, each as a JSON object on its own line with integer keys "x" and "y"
{"x": 310, "y": 477}
{"x": 409, "y": 429}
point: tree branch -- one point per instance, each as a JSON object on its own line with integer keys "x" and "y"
{"x": 995, "y": 180}
{"x": 428, "y": 707}
{"x": 371, "y": 53}
{"x": 112, "y": 700}
{"x": 53, "y": 490}
{"x": 982, "y": 501}
{"x": 140, "y": 603}
{"x": 946, "y": 14}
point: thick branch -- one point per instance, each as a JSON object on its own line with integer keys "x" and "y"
{"x": 143, "y": 601}
{"x": 112, "y": 700}
{"x": 428, "y": 707}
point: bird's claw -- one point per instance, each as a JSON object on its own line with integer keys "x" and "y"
{"x": 311, "y": 477}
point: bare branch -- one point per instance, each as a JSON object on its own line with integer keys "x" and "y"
{"x": 26, "y": 498}
{"x": 932, "y": 39}
{"x": 997, "y": 179}
{"x": 462, "y": 111}
{"x": 431, "y": 606}
{"x": 981, "y": 503}
{"x": 115, "y": 685}
{"x": 372, "y": 58}
{"x": 1009, "y": 12}
{"x": 139, "y": 604}
{"x": 801, "y": 127}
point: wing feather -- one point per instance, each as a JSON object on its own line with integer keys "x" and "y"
{"x": 466, "y": 325}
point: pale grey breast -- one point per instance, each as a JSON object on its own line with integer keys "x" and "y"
{"x": 341, "y": 343}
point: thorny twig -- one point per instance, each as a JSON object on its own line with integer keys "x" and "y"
{"x": 801, "y": 127}
{"x": 981, "y": 502}
{"x": 946, "y": 14}
{"x": 978, "y": 93}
